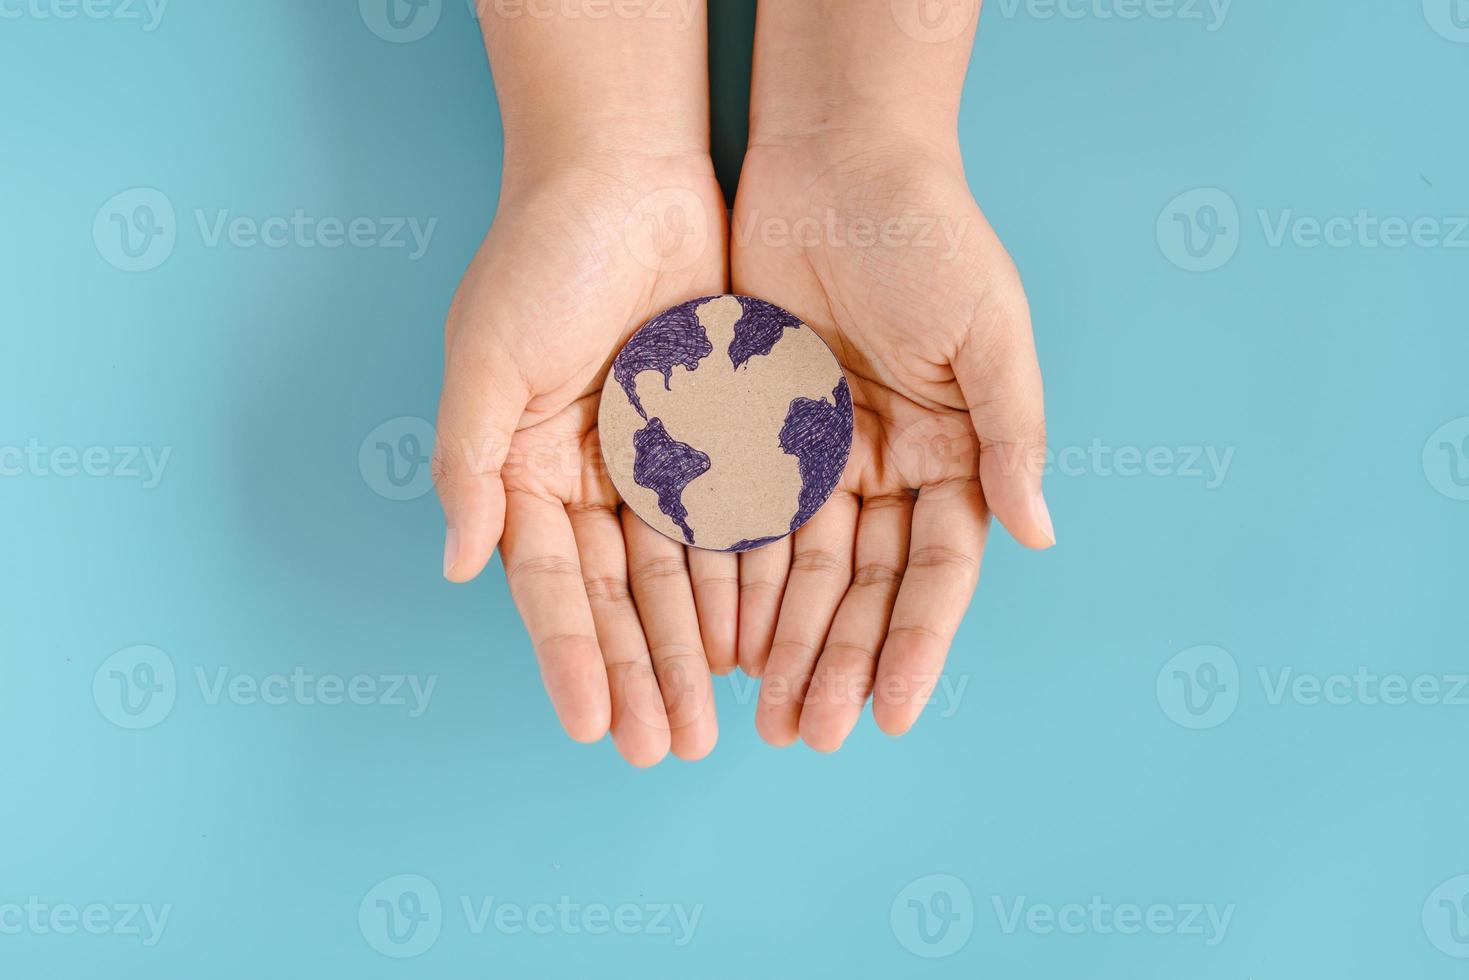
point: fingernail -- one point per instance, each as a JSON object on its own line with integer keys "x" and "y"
{"x": 451, "y": 550}
{"x": 1043, "y": 515}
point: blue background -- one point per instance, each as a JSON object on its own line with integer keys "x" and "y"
{"x": 1333, "y": 542}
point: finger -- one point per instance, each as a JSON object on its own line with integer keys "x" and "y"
{"x": 763, "y": 574}
{"x": 947, "y": 541}
{"x": 659, "y": 573}
{"x": 716, "y": 581}
{"x": 639, "y": 724}
{"x": 821, "y": 570}
{"x": 848, "y": 663}
{"x": 479, "y": 408}
{"x": 1001, "y": 380}
{"x": 546, "y": 582}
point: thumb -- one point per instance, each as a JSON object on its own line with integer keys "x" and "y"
{"x": 997, "y": 370}
{"x": 481, "y": 404}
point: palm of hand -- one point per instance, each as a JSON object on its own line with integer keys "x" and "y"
{"x": 562, "y": 280}
{"x": 888, "y": 258}
{"x": 564, "y": 277}
{"x": 896, "y": 267}
{"x": 909, "y": 287}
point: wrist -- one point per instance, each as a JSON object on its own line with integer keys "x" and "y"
{"x": 841, "y": 119}
{"x": 573, "y": 83}
{"x": 853, "y": 143}
{"x": 828, "y": 67}
{"x": 605, "y": 163}
{"x": 556, "y": 126}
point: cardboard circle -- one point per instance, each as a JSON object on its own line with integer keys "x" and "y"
{"x": 725, "y": 423}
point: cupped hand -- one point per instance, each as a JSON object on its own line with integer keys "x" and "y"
{"x": 876, "y": 242}
{"x": 578, "y": 257}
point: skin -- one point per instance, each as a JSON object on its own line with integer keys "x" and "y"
{"x": 606, "y": 217}
{"x": 609, "y": 214}
{"x": 852, "y": 131}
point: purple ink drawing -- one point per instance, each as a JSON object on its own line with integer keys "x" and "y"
{"x": 819, "y": 435}
{"x": 665, "y": 466}
{"x": 758, "y": 329}
{"x": 768, "y": 431}
{"x": 670, "y": 339}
